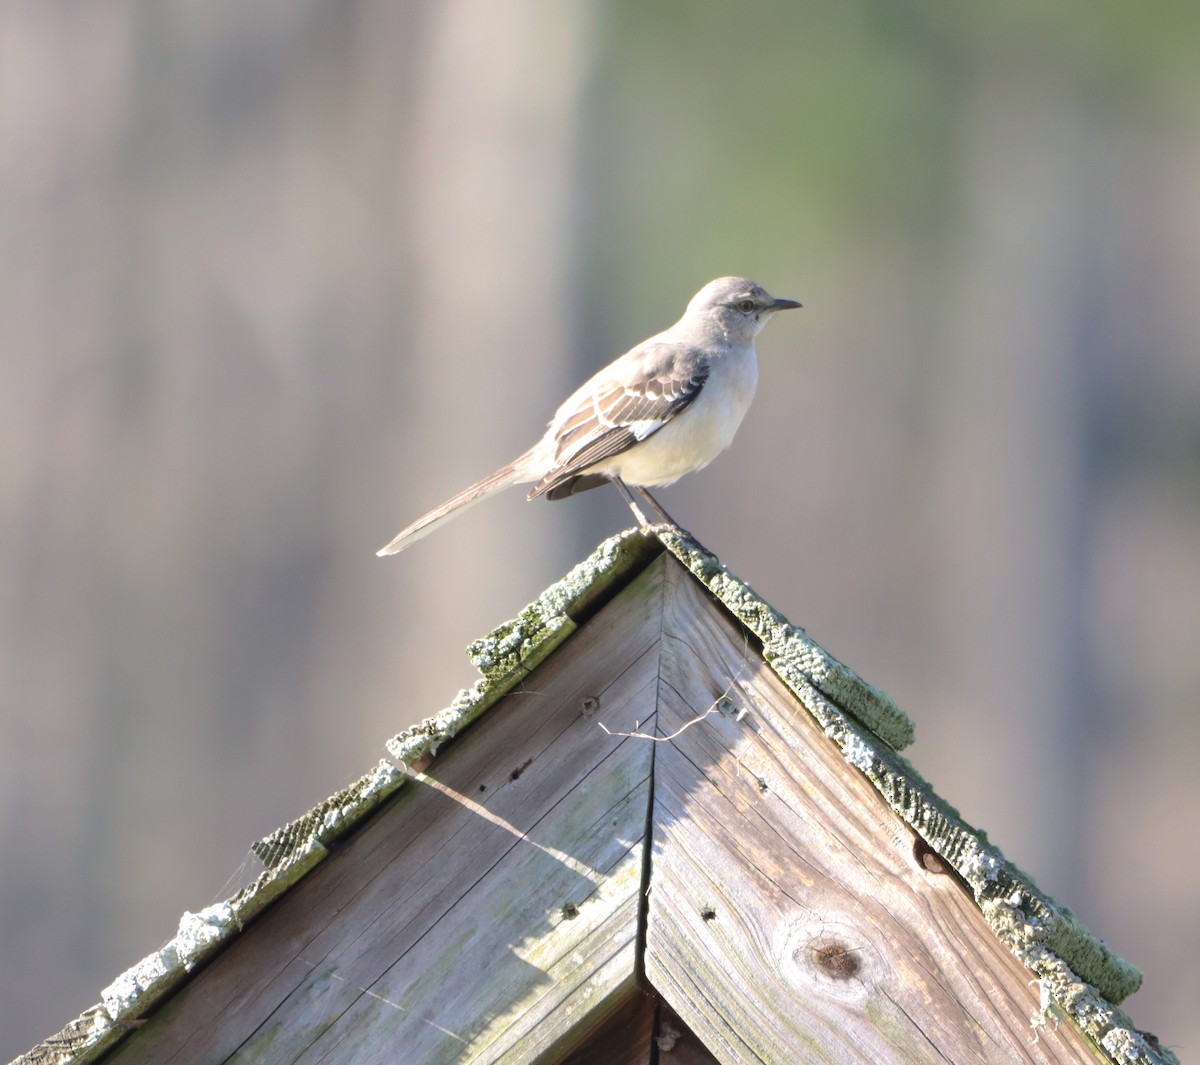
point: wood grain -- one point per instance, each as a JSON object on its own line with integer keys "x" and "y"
{"x": 486, "y": 911}
{"x": 789, "y": 920}
{"x": 491, "y": 912}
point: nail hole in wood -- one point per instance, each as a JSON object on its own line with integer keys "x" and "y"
{"x": 927, "y": 857}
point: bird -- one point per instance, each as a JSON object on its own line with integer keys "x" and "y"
{"x": 665, "y": 408}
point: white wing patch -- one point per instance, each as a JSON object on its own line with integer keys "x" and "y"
{"x": 611, "y": 415}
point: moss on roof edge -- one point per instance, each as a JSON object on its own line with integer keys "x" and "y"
{"x": 504, "y": 657}
{"x": 508, "y": 654}
{"x": 863, "y": 722}
{"x": 1078, "y": 976}
{"x": 289, "y": 853}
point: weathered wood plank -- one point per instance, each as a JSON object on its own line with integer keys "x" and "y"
{"x": 789, "y": 919}
{"x": 441, "y": 925}
{"x": 502, "y": 969}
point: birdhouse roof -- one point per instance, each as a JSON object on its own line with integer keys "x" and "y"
{"x": 713, "y": 806}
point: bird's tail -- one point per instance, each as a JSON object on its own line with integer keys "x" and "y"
{"x": 507, "y": 475}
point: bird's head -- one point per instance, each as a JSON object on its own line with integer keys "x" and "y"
{"x": 737, "y": 307}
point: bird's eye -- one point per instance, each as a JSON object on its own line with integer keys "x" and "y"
{"x": 745, "y": 306}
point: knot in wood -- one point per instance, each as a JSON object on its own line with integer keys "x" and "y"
{"x": 835, "y": 959}
{"x": 828, "y": 953}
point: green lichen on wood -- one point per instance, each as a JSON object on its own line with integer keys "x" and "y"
{"x": 856, "y": 716}
{"x": 509, "y": 653}
{"x": 1080, "y": 977}
{"x": 1077, "y": 975}
{"x": 790, "y": 651}
{"x": 521, "y": 643}
{"x": 328, "y": 820}
{"x": 288, "y": 854}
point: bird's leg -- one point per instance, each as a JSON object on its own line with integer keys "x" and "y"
{"x": 627, "y": 495}
{"x": 664, "y": 519}
{"x": 667, "y": 522}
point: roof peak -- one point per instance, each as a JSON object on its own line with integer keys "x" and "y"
{"x": 1078, "y": 975}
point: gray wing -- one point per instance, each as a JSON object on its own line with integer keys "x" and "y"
{"x": 625, "y": 404}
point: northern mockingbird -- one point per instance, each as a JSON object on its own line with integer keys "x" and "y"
{"x": 665, "y": 408}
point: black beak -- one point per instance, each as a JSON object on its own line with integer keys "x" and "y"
{"x": 783, "y": 305}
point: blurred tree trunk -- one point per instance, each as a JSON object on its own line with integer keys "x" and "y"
{"x": 281, "y": 275}
{"x": 488, "y": 320}
{"x": 1012, "y": 470}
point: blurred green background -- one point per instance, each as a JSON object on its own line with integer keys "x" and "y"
{"x": 278, "y": 276}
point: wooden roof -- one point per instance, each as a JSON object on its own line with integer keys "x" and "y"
{"x": 689, "y": 819}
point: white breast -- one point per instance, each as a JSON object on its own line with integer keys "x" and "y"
{"x": 699, "y": 433}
